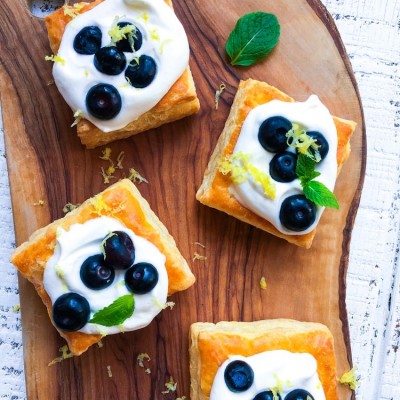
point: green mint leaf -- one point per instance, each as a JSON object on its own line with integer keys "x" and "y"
{"x": 116, "y": 313}
{"x": 254, "y": 37}
{"x": 305, "y": 168}
{"x": 319, "y": 194}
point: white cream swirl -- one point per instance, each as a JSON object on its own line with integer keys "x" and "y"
{"x": 279, "y": 370}
{"x": 164, "y": 39}
{"x": 314, "y": 116}
{"x": 62, "y": 273}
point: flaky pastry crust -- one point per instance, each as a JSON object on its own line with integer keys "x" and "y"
{"x": 179, "y": 102}
{"x": 214, "y": 190}
{"x": 212, "y": 344}
{"x": 121, "y": 201}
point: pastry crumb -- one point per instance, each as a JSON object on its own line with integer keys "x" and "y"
{"x": 49, "y": 83}
{"x": 78, "y": 115}
{"x": 100, "y": 344}
{"x": 181, "y": 398}
{"x": 109, "y": 371}
{"x": 106, "y": 175}
{"x": 199, "y": 257}
{"x": 170, "y": 385}
{"x": 39, "y": 203}
{"x": 350, "y": 379}
{"x": 147, "y": 371}
{"x": 218, "y": 94}
{"x": 65, "y": 353}
{"x": 263, "y": 283}
{"x": 169, "y": 304}
{"x": 16, "y": 308}
{"x": 69, "y": 207}
{"x": 135, "y": 176}
{"x": 141, "y": 358}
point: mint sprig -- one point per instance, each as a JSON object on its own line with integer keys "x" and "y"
{"x": 315, "y": 191}
{"x": 116, "y": 313}
{"x": 254, "y": 37}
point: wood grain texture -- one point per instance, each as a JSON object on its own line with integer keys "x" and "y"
{"x": 46, "y": 161}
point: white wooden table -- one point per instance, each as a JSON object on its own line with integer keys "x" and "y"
{"x": 370, "y": 30}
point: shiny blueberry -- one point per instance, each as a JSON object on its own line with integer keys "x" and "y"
{"x": 103, "y": 101}
{"x": 282, "y": 167}
{"x": 118, "y": 250}
{"x": 267, "y": 395}
{"x": 88, "y": 40}
{"x": 95, "y": 274}
{"x": 239, "y": 376}
{"x": 109, "y": 60}
{"x": 272, "y": 134}
{"x": 299, "y": 394}
{"x": 321, "y": 142}
{"x": 124, "y": 45}
{"x": 71, "y": 312}
{"x": 140, "y": 73}
{"x": 297, "y": 213}
{"x": 141, "y": 278}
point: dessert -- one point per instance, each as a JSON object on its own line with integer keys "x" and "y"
{"x": 253, "y": 173}
{"x": 106, "y": 267}
{"x": 262, "y": 360}
{"x": 122, "y": 66}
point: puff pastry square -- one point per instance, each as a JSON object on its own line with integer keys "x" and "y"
{"x": 214, "y": 190}
{"x": 211, "y": 344}
{"x": 179, "y": 102}
{"x": 123, "y": 202}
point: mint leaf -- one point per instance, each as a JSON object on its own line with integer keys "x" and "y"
{"x": 116, "y": 313}
{"x": 254, "y": 36}
{"x": 319, "y": 194}
{"x": 305, "y": 168}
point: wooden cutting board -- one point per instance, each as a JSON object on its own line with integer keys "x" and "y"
{"x": 46, "y": 161}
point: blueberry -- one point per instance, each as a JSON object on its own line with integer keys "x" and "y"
{"x": 239, "y": 376}
{"x": 141, "y": 278}
{"x": 88, "y": 40}
{"x": 109, "y": 60}
{"x": 95, "y": 274}
{"x": 272, "y": 134}
{"x": 71, "y": 312}
{"x": 103, "y": 101}
{"x": 299, "y": 394}
{"x": 267, "y": 395}
{"x": 119, "y": 252}
{"x": 297, "y": 213}
{"x": 141, "y": 74}
{"x": 282, "y": 167}
{"x": 124, "y": 45}
{"x": 321, "y": 142}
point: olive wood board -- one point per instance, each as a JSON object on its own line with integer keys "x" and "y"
{"x": 46, "y": 161}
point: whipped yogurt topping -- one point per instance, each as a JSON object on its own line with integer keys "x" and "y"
{"x": 314, "y": 116}
{"x": 280, "y": 370}
{"x": 62, "y": 273}
{"x": 164, "y": 39}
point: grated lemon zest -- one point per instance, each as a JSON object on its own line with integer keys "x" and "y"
{"x": 99, "y": 205}
{"x": 86, "y": 73}
{"x": 39, "y": 203}
{"x": 109, "y": 371}
{"x": 55, "y": 58}
{"x": 65, "y": 353}
{"x": 69, "y": 207}
{"x": 200, "y": 244}
{"x": 106, "y": 154}
{"x": 298, "y": 139}
{"x": 135, "y": 176}
{"x": 181, "y": 398}
{"x": 169, "y": 304}
{"x": 170, "y": 385}
{"x": 199, "y": 257}
{"x": 144, "y": 16}
{"x": 118, "y": 33}
{"x": 78, "y": 115}
{"x": 218, "y": 94}
{"x": 154, "y": 34}
{"x": 163, "y": 44}
{"x": 16, "y": 308}
{"x": 263, "y": 283}
{"x": 350, "y": 379}
{"x": 74, "y": 10}
{"x": 240, "y": 168}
